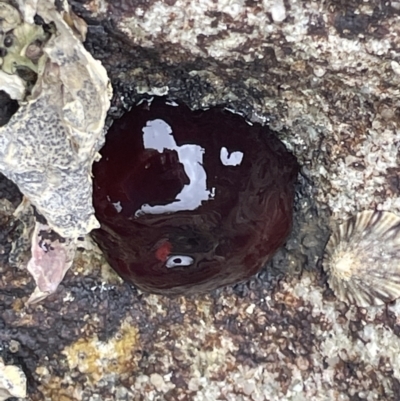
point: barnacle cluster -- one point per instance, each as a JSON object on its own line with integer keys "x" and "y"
{"x": 21, "y": 45}
{"x": 362, "y": 259}
{"x": 48, "y": 146}
{"x": 60, "y": 122}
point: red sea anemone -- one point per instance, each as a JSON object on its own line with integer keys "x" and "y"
{"x": 189, "y": 201}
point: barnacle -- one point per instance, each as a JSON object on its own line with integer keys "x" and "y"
{"x": 21, "y": 44}
{"x": 362, "y": 259}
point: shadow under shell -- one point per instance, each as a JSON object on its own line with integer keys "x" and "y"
{"x": 189, "y": 201}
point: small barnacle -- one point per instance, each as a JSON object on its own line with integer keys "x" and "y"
{"x": 362, "y": 259}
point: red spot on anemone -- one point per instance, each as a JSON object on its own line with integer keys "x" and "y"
{"x": 163, "y": 251}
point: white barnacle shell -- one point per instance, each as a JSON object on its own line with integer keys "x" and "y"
{"x": 362, "y": 259}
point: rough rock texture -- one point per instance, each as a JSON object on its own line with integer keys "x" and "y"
{"x": 326, "y": 77}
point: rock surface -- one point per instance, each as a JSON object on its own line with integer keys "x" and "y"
{"x": 325, "y": 76}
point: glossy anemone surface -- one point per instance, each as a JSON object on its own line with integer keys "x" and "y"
{"x": 189, "y": 201}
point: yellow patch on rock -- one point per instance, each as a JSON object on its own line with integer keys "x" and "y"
{"x": 96, "y": 358}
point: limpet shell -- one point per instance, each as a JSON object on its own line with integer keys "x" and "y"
{"x": 362, "y": 259}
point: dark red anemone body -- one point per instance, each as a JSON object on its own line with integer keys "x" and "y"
{"x": 191, "y": 201}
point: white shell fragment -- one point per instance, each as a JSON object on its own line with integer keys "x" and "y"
{"x": 12, "y": 382}
{"x": 49, "y": 145}
{"x": 13, "y": 85}
{"x": 362, "y": 259}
